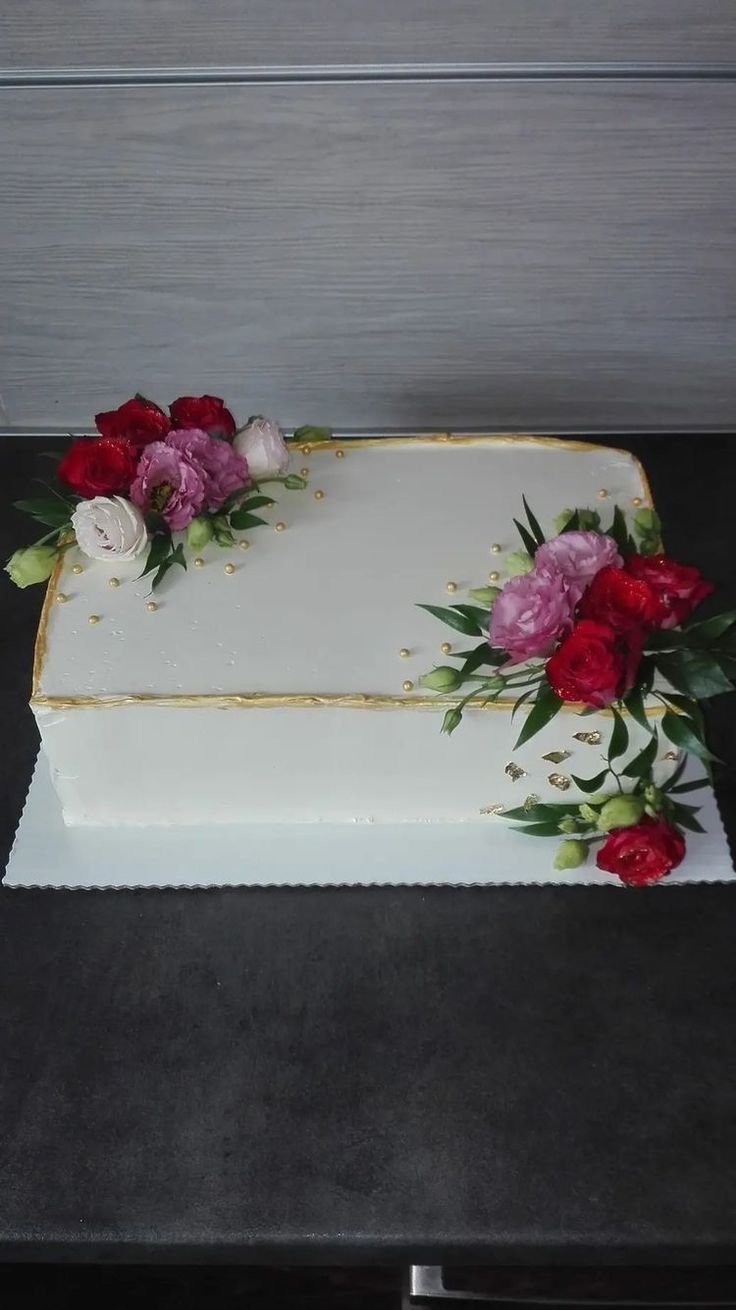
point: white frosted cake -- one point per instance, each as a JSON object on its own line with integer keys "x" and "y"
{"x": 280, "y": 681}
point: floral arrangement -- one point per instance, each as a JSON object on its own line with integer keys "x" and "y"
{"x": 600, "y": 618}
{"x": 123, "y": 494}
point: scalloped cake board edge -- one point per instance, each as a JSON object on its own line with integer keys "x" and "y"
{"x": 46, "y": 854}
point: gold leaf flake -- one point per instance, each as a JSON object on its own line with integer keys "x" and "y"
{"x": 590, "y": 738}
{"x": 530, "y": 802}
{"x": 559, "y": 780}
{"x": 515, "y": 771}
{"x": 492, "y": 809}
{"x": 557, "y": 757}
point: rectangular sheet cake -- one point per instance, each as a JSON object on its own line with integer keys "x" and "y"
{"x": 276, "y": 690}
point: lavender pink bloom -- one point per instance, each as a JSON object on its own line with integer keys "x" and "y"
{"x": 168, "y": 482}
{"x": 531, "y": 615}
{"x": 577, "y": 556}
{"x": 224, "y": 470}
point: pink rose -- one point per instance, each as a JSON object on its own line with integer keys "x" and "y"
{"x": 531, "y": 615}
{"x": 167, "y": 482}
{"x": 223, "y": 469}
{"x": 578, "y": 556}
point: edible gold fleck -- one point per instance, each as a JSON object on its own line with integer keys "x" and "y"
{"x": 557, "y": 757}
{"x": 559, "y": 781}
{"x": 515, "y": 771}
{"x": 93, "y": 618}
{"x": 588, "y": 738}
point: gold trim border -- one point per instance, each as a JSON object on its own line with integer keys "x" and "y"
{"x": 303, "y": 700}
{"x": 268, "y": 700}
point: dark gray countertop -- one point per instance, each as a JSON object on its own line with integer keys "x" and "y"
{"x": 503, "y": 1074}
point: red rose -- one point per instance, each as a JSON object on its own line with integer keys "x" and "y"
{"x": 208, "y": 413}
{"x": 594, "y": 664}
{"x": 139, "y": 420}
{"x": 99, "y": 466}
{"x": 625, "y": 603}
{"x": 643, "y": 853}
{"x": 679, "y": 587}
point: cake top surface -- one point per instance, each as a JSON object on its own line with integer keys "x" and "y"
{"x": 324, "y": 606}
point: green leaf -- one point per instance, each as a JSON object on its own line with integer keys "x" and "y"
{"x": 682, "y": 732}
{"x": 312, "y": 434}
{"x": 530, "y": 544}
{"x": 710, "y": 629}
{"x": 452, "y": 618}
{"x": 694, "y": 672}
{"x": 540, "y": 829}
{"x": 176, "y": 557}
{"x": 541, "y": 813}
{"x": 533, "y": 523}
{"x": 474, "y": 660}
{"x": 619, "y": 737}
{"x": 525, "y": 697}
{"x": 688, "y": 786}
{"x": 641, "y": 765}
{"x": 546, "y": 706}
{"x": 590, "y": 785}
{"x": 52, "y": 513}
{"x": 240, "y": 519}
{"x": 475, "y": 614}
{"x": 158, "y": 551}
{"x": 255, "y": 502}
{"x": 684, "y": 817}
{"x": 620, "y": 533}
{"x": 634, "y": 703}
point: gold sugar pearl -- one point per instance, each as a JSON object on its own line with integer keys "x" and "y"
{"x": 77, "y": 568}
{"x": 304, "y": 472}
{"x": 339, "y": 454}
{"x": 306, "y": 450}
{"x": 637, "y": 501}
{"x": 113, "y": 582}
{"x": 495, "y": 548}
{"x": 446, "y": 648}
{"x": 243, "y": 545}
{"x": 404, "y": 653}
{"x": 93, "y": 618}
{"x": 494, "y": 576}
{"x": 602, "y": 493}
{"x": 280, "y": 527}
{"x": 451, "y": 586}
{"x": 229, "y": 569}
{"x": 319, "y": 495}
{"x": 199, "y": 562}
{"x": 61, "y": 598}
{"x": 151, "y": 606}
{"x": 408, "y": 686}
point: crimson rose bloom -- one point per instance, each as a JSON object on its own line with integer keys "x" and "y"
{"x": 99, "y": 466}
{"x": 626, "y": 603}
{"x": 679, "y": 587}
{"x": 642, "y": 853}
{"x": 594, "y": 664}
{"x": 207, "y": 413}
{"x": 139, "y": 420}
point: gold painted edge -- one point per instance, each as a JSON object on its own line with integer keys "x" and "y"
{"x": 305, "y": 699}
{"x": 301, "y": 700}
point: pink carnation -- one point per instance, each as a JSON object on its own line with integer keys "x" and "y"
{"x": 167, "y": 482}
{"x": 223, "y": 469}
{"x": 531, "y": 615}
{"x": 578, "y": 556}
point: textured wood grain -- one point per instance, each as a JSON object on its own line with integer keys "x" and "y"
{"x": 265, "y": 33}
{"x": 504, "y": 255}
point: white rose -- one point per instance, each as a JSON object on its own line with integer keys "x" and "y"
{"x": 263, "y": 446}
{"x": 109, "y": 527}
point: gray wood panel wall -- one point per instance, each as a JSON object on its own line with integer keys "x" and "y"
{"x": 369, "y": 33}
{"x": 526, "y": 249}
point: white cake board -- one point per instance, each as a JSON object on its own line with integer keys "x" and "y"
{"x": 48, "y": 854}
